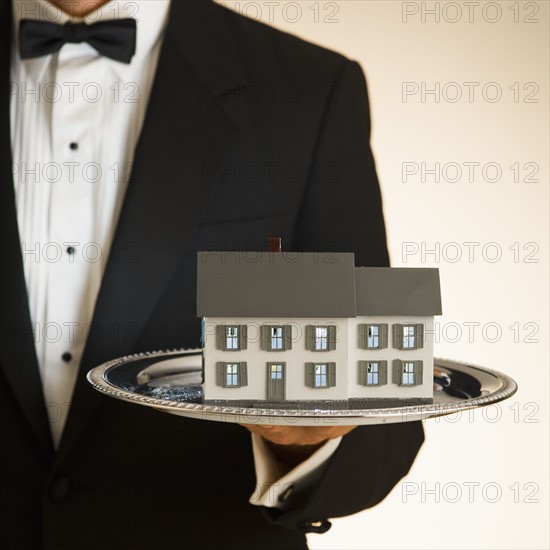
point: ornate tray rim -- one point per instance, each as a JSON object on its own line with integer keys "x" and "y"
{"x": 97, "y": 378}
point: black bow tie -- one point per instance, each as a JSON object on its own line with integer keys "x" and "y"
{"x": 115, "y": 39}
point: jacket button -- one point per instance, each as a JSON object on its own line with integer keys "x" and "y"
{"x": 60, "y": 489}
{"x": 285, "y": 495}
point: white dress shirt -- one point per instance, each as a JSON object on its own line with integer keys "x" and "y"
{"x": 76, "y": 117}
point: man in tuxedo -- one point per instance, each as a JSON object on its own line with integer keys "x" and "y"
{"x": 125, "y": 149}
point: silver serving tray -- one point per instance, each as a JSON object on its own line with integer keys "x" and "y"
{"x": 170, "y": 381}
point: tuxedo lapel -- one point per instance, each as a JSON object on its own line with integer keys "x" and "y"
{"x": 17, "y": 352}
{"x": 185, "y": 133}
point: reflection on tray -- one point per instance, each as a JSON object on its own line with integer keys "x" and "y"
{"x": 456, "y": 384}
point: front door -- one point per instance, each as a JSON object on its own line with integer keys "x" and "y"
{"x": 275, "y": 381}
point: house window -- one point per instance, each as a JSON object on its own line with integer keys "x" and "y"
{"x": 320, "y": 375}
{"x": 373, "y": 336}
{"x": 276, "y": 371}
{"x": 231, "y": 337}
{"x": 408, "y": 373}
{"x": 407, "y": 378}
{"x": 320, "y": 338}
{"x": 232, "y": 375}
{"x": 276, "y": 337}
{"x": 408, "y": 336}
{"x": 373, "y": 373}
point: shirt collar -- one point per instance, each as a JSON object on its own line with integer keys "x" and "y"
{"x": 151, "y": 16}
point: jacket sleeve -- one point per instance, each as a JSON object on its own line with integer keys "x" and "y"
{"x": 342, "y": 212}
{"x": 367, "y": 465}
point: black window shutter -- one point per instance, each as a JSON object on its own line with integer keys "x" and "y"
{"x": 220, "y": 378}
{"x": 362, "y": 335}
{"x": 419, "y": 374}
{"x": 310, "y": 375}
{"x": 243, "y": 374}
{"x": 265, "y": 337}
{"x": 397, "y": 332}
{"x": 419, "y": 340}
{"x": 220, "y": 337}
{"x": 397, "y": 370}
{"x": 243, "y": 336}
{"x": 331, "y": 333}
{"x": 362, "y": 373}
{"x": 383, "y": 339}
{"x": 382, "y": 372}
{"x": 310, "y": 337}
{"x": 287, "y": 337}
{"x": 331, "y": 374}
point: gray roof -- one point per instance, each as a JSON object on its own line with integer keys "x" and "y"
{"x": 267, "y": 284}
{"x": 310, "y": 284}
{"x": 398, "y": 291}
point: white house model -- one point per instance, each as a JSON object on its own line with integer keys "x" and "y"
{"x": 312, "y": 327}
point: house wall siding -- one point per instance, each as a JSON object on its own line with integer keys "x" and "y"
{"x": 257, "y": 360}
{"x": 347, "y": 360}
{"x": 389, "y": 354}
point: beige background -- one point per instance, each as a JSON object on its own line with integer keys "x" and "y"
{"x": 504, "y": 448}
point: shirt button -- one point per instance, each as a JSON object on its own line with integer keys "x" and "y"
{"x": 70, "y": 250}
{"x": 73, "y": 145}
{"x": 60, "y": 489}
{"x": 66, "y": 357}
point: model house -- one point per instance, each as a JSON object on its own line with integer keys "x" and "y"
{"x": 312, "y": 327}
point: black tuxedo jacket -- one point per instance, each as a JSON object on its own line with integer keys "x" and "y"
{"x": 249, "y": 133}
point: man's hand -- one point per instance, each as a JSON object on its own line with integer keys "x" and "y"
{"x": 298, "y": 435}
{"x": 295, "y": 444}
